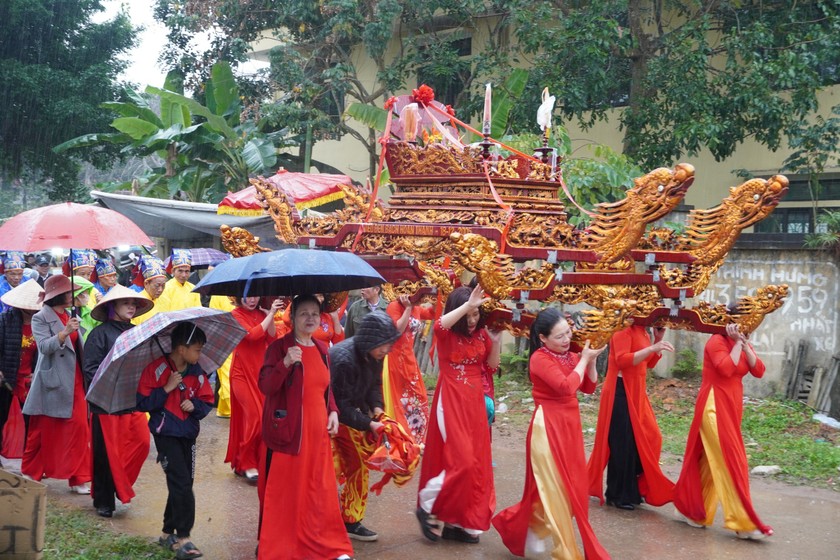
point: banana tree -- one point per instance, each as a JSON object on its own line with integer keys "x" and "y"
{"x": 205, "y": 149}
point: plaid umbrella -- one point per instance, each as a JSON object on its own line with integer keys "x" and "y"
{"x": 114, "y": 387}
{"x": 202, "y": 258}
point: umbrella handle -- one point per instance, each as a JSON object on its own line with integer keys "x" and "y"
{"x": 181, "y": 386}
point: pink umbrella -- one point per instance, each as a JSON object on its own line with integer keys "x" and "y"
{"x": 68, "y": 225}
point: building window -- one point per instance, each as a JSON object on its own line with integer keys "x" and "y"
{"x": 798, "y": 190}
{"x": 790, "y": 220}
{"x": 445, "y": 79}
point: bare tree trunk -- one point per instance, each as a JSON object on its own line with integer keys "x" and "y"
{"x": 638, "y": 63}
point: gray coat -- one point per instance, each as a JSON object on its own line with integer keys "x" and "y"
{"x": 54, "y": 379}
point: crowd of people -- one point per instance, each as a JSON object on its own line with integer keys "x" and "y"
{"x": 312, "y": 393}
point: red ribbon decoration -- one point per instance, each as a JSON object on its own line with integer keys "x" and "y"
{"x": 520, "y": 154}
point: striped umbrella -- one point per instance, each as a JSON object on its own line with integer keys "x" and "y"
{"x": 114, "y": 387}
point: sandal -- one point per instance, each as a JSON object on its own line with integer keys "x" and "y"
{"x": 169, "y": 542}
{"x": 425, "y": 525}
{"x": 187, "y": 551}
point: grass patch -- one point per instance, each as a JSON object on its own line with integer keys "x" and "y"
{"x": 74, "y": 534}
{"x": 782, "y": 432}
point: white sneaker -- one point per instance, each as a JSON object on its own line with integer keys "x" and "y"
{"x": 754, "y": 535}
{"x": 252, "y": 475}
{"x": 81, "y": 489}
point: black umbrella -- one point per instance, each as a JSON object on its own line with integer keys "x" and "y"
{"x": 289, "y": 272}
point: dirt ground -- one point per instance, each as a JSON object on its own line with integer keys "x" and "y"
{"x": 805, "y": 519}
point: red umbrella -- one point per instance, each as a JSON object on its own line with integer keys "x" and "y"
{"x": 307, "y": 190}
{"x": 69, "y": 225}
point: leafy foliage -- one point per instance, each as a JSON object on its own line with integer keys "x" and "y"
{"x": 207, "y": 149}
{"x": 816, "y": 145}
{"x": 326, "y": 50}
{"x": 829, "y": 239}
{"x": 695, "y": 75}
{"x": 692, "y": 75}
{"x": 56, "y": 67}
{"x": 686, "y": 365}
{"x": 514, "y": 365}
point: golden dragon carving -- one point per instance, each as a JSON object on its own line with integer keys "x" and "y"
{"x": 711, "y": 233}
{"x": 748, "y": 312}
{"x": 239, "y": 242}
{"x": 618, "y": 226}
{"x": 289, "y": 225}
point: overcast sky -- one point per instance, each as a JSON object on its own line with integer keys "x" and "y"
{"x": 143, "y": 60}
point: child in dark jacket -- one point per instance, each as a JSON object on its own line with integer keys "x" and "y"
{"x": 176, "y": 393}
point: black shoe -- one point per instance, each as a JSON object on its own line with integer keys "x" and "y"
{"x": 359, "y": 532}
{"x": 458, "y": 534}
{"x": 628, "y": 507}
{"x": 425, "y": 526}
{"x": 105, "y": 511}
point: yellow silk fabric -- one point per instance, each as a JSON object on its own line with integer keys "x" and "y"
{"x": 223, "y": 303}
{"x": 552, "y": 515}
{"x": 715, "y": 478}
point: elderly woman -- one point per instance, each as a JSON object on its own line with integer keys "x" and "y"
{"x": 58, "y": 441}
{"x": 302, "y": 520}
{"x": 17, "y": 359}
{"x": 246, "y": 401}
{"x": 120, "y": 442}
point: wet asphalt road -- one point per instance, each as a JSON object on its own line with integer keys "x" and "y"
{"x": 806, "y": 520}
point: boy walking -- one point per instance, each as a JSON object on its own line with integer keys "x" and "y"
{"x": 175, "y": 392}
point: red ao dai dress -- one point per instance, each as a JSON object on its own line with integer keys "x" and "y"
{"x": 555, "y": 472}
{"x": 715, "y": 465}
{"x": 246, "y": 400}
{"x": 456, "y": 479}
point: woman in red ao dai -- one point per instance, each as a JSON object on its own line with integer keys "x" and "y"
{"x": 555, "y": 475}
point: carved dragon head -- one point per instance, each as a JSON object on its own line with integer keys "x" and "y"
{"x": 600, "y": 324}
{"x": 656, "y": 193}
{"x": 756, "y": 198}
{"x": 751, "y": 310}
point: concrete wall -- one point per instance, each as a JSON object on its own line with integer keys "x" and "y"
{"x": 810, "y": 312}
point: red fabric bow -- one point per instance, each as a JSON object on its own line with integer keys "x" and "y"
{"x": 423, "y": 95}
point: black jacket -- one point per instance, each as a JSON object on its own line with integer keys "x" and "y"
{"x": 356, "y": 377}
{"x": 11, "y": 336}
{"x": 99, "y": 342}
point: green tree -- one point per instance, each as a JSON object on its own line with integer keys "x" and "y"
{"x": 206, "y": 149}
{"x": 692, "y": 75}
{"x": 56, "y": 67}
{"x": 816, "y": 145}
{"x": 322, "y": 46}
